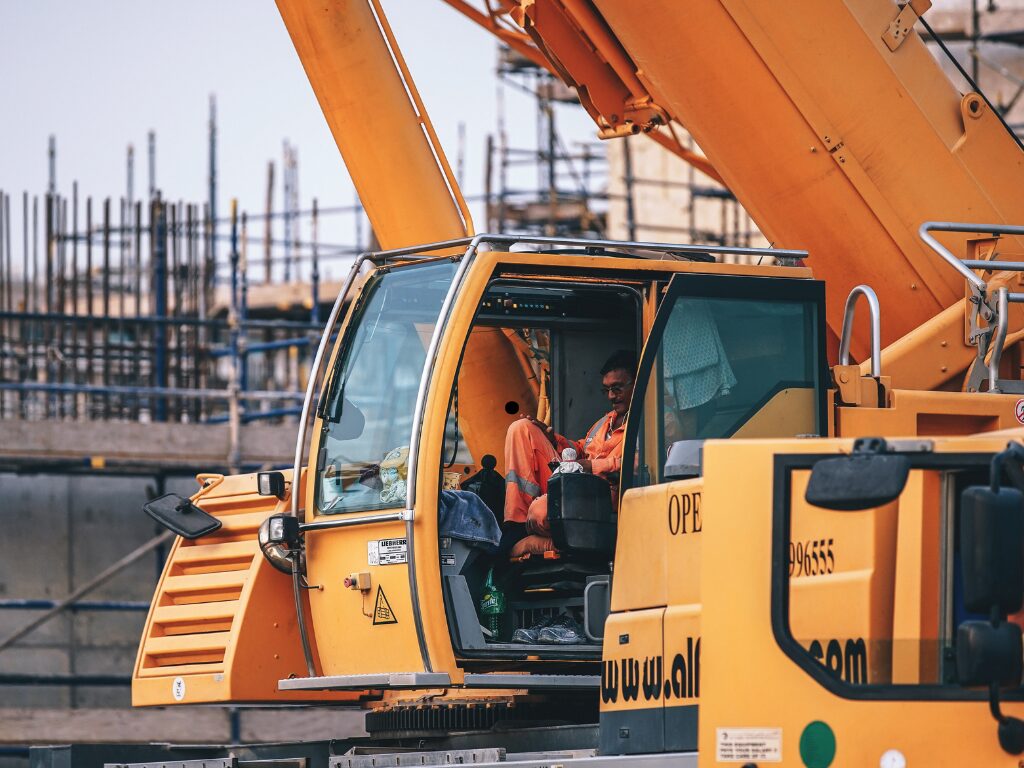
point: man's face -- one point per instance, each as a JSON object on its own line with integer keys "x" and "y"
{"x": 618, "y": 386}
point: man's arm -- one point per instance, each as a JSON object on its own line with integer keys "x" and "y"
{"x": 557, "y": 441}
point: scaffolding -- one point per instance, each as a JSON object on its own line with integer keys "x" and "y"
{"x": 567, "y": 194}
{"x": 598, "y": 189}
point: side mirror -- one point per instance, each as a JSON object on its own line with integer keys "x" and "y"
{"x": 867, "y": 478}
{"x": 987, "y": 654}
{"x": 992, "y": 548}
{"x": 178, "y": 514}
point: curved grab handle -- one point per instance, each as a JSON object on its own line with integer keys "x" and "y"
{"x": 876, "y": 328}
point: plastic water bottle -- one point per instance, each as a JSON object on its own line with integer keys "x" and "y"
{"x": 492, "y": 605}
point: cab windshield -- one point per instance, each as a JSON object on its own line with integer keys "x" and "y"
{"x": 367, "y": 414}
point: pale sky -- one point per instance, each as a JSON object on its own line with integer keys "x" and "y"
{"x": 101, "y": 74}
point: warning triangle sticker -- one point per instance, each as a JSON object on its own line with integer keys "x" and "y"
{"x": 382, "y": 613}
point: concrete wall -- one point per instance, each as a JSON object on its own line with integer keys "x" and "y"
{"x": 56, "y": 533}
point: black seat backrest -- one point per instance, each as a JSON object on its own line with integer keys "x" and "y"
{"x": 580, "y": 514}
{"x": 489, "y": 486}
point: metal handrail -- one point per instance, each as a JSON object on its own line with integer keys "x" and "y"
{"x": 1001, "y": 319}
{"x": 349, "y": 522}
{"x": 876, "y": 327}
{"x": 997, "y": 315}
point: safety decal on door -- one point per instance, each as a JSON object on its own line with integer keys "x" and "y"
{"x": 387, "y": 552}
{"x": 748, "y": 745}
{"x": 382, "y": 613}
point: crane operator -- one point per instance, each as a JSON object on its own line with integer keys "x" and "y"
{"x": 530, "y": 445}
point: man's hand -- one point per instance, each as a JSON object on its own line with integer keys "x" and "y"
{"x": 549, "y": 432}
{"x": 587, "y": 464}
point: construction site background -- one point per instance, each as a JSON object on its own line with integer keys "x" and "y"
{"x": 147, "y": 339}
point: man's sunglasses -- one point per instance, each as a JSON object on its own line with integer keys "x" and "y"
{"x": 616, "y": 389}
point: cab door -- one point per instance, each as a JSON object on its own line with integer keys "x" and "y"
{"x": 357, "y": 547}
{"x": 727, "y": 356}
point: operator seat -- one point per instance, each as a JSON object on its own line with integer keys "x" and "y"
{"x": 583, "y": 526}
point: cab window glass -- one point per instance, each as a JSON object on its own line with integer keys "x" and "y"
{"x": 728, "y": 367}
{"x": 367, "y": 413}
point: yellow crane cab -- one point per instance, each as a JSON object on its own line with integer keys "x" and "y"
{"x": 439, "y": 356}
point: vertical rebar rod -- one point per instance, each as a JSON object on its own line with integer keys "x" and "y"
{"x": 130, "y": 177}
{"x": 90, "y": 310}
{"x": 76, "y": 352}
{"x": 314, "y": 282}
{"x": 174, "y": 304}
{"x": 180, "y": 277}
{"x": 104, "y": 325}
{"x": 548, "y": 110}
{"x": 268, "y": 228}
{"x": 9, "y": 337}
{"x": 138, "y": 341}
{"x": 51, "y": 153}
{"x": 5, "y": 336}
{"x": 488, "y": 184}
{"x": 61, "y": 352}
{"x": 585, "y": 188}
{"x": 212, "y": 202}
{"x": 234, "y": 414}
{"x": 975, "y": 36}
{"x": 286, "y": 186}
{"x": 158, "y": 223}
{"x": 243, "y": 305}
{"x": 124, "y": 241}
{"x": 25, "y": 328}
{"x": 194, "y": 289}
{"x": 627, "y": 167}
{"x": 48, "y": 288}
{"x": 204, "y": 335}
{"x": 151, "y": 152}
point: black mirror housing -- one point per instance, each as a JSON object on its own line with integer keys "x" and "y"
{"x": 986, "y": 654}
{"x": 858, "y": 481}
{"x": 992, "y": 548}
{"x": 178, "y": 514}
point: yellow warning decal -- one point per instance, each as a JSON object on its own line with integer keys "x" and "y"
{"x": 382, "y": 613}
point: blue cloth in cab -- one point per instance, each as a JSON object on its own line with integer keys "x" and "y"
{"x": 463, "y": 515}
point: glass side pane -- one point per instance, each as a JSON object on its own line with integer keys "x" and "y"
{"x": 728, "y": 367}
{"x": 876, "y": 595}
{"x": 368, "y": 410}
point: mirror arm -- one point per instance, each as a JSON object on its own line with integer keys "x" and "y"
{"x": 1011, "y": 729}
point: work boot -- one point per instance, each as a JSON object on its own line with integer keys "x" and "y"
{"x": 528, "y": 635}
{"x": 564, "y": 630}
